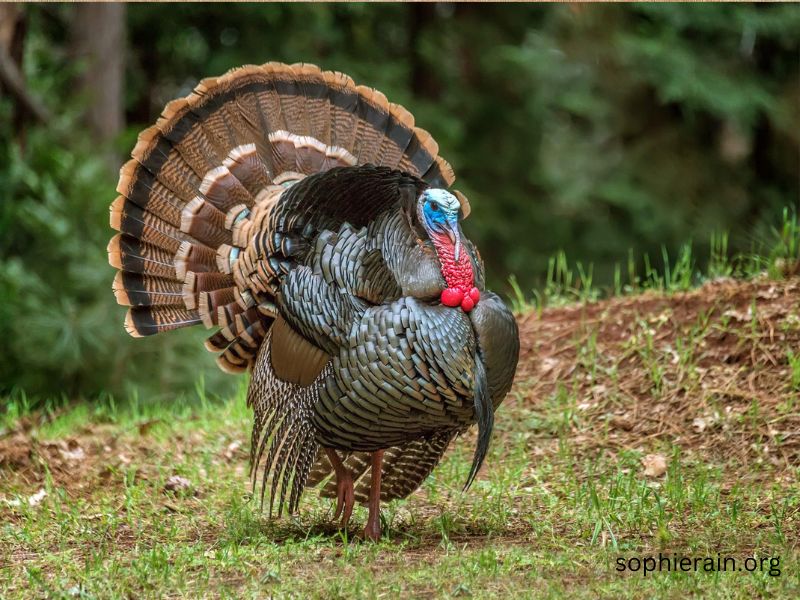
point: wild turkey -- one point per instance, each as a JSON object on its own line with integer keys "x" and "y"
{"x": 306, "y": 218}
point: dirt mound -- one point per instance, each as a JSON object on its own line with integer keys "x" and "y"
{"x": 715, "y": 370}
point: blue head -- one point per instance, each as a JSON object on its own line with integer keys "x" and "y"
{"x": 439, "y": 215}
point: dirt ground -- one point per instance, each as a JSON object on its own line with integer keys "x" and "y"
{"x": 710, "y": 369}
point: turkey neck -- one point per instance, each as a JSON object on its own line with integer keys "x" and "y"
{"x": 459, "y": 274}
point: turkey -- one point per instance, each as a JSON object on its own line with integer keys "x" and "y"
{"x": 306, "y": 220}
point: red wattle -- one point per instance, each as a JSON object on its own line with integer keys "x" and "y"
{"x": 452, "y": 297}
{"x": 461, "y": 290}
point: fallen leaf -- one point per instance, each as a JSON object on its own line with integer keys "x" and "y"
{"x": 622, "y": 422}
{"x": 655, "y": 465}
{"x": 37, "y": 498}
{"x": 16, "y": 451}
{"x": 178, "y": 485}
{"x": 699, "y": 424}
{"x": 738, "y": 315}
{"x": 232, "y": 449}
{"x": 146, "y": 426}
{"x": 548, "y": 363}
{"x": 72, "y": 451}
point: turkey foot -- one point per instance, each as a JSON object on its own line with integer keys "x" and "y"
{"x": 373, "y": 529}
{"x": 345, "y": 498}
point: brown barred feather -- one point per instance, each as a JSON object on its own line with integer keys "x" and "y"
{"x": 135, "y": 289}
{"x": 403, "y": 471}
{"x": 194, "y": 283}
{"x": 126, "y": 253}
{"x": 145, "y": 320}
{"x": 204, "y": 222}
{"x": 126, "y": 217}
{"x": 245, "y": 164}
{"x": 282, "y": 420}
{"x": 224, "y": 190}
{"x": 209, "y": 302}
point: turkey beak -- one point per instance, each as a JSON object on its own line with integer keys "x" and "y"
{"x": 455, "y": 237}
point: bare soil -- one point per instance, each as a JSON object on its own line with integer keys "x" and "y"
{"x": 708, "y": 370}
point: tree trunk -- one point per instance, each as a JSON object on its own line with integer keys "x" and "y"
{"x": 10, "y": 30}
{"x": 12, "y": 81}
{"x": 98, "y": 41}
{"x": 423, "y": 79}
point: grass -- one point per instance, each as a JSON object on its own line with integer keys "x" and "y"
{"x": 776, "y": 253}
{"x": 539, "y": 522}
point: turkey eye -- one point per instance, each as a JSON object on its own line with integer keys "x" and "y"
{"x": 434, "y": 207}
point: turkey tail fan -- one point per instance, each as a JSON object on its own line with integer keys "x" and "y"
{"x": 198, "y": 239}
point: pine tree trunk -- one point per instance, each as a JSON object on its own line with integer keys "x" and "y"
{"x": 98, "y": 41}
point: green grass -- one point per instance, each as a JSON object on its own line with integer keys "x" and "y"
{"x": 544, "y": 520}
{"x": 776, "y": 253}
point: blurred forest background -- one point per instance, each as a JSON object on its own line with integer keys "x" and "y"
{"x": 604, "y": 131}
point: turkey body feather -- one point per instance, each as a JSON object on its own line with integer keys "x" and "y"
{"x": 300, "y": 216}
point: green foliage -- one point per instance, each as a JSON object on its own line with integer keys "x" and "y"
{"x": 53, "y": 248}
{"x": 599, "y": 131}
{"x": 61, "y": 326}
{"x": 784, "y": 252}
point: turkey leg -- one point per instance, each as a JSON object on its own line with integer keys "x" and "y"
{"x": 345, "y": 498}
{"x": 373, "y": 528}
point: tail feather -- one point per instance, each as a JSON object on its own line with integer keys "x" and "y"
{"x": 134, "y": 289}
{"x": 342, "y": 105}
{"x": 195, "y": 284}
{"x": 399, "y": 132}
{"x": 243, "y": 161}
{"x": 194, "y": 257}
{"x": 139, "y": 186}
{"x": 205, "y": 223}
{"x": 370, "y": 134}
{"x": 315, "y": 91}
{"x": 210, "y": 302}
{"x": 131, "y": 255}
{"x": 146, "y": 320}
{"x": 131, "y": 219}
